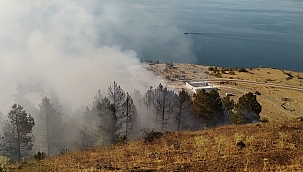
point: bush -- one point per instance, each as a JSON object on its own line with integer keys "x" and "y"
{"x": 218, "y": 75}
{"x": 64, "y": 150}
{"x": 223, "y": 70}
{"x": 150, "y": 136}
{"x": 169, "y": 65}
{"x": 39, "y": 155}
{"x": 299, "y": 77}
{"x": 257, "y": 93}
{"x": 264, "y": 120}
{"x": 210, "y": 68}
{"x": 242, "y": 70}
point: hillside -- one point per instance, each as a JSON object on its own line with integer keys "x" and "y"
{"x": 269, "y": 147}
{"x": 277, "y": 103}
{"x": 273, "y": 146}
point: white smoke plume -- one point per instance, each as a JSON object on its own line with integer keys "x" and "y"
{"x": 78, "y": 47}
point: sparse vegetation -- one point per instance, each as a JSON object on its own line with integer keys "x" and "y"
{"x": 201, "y": 142}
{"x": 262, "y": 146}
{"x": 175, "y": 150}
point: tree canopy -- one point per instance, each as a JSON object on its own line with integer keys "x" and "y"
{"x": 247, "y": 109}
{"x": 208, "y": 105}
{"x": 17, "y": 129}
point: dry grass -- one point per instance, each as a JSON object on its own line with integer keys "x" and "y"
{"x": 269, "y": 147}
{"x": 277, "y": 103}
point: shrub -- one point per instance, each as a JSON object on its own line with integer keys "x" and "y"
{"x": 257, "y": 93}
{"x": 223, "y": 70}
{"x": 218, "y": 75}
{"x": 299, "y": 77}
{"x": 64, "y": 150}
{"x": 210, "y": 68}
{"x": 242, "y": 70}
{"x": 169, "y": 65}
{"x": 150, "y": 136}
{"x": 264, "y": 120}
{"x": 39, "y": 155}
{"x": 232, "y": 73}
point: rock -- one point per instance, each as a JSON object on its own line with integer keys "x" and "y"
{"x": 240, "y": 145}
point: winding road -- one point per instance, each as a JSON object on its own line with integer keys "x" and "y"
{"x": 250, "y": 82}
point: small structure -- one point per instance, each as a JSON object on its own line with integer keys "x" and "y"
{"x": 197, "y": 86}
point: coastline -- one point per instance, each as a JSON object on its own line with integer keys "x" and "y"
{"x": 277, "y": 103}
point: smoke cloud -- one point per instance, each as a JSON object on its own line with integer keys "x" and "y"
{"x": 77, "y": 47}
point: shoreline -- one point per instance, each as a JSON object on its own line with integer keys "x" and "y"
{"x": 278, "y": 103}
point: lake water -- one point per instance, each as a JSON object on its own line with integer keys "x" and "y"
{"x": 230, "y": 33}
{"x": 247, "y": 33}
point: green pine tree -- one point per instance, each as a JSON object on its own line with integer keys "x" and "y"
{"x": 17, "y": 130}
{"x": 208, "y": 105}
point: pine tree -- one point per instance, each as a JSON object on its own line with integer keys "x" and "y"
{"x": 17, "y": 129}
{"x": 108, "y": 121}
{"x": 247, "y": 109}
{"x": 228, "y": 106}
{"x": 73, "y": 128}
{"x": 183, "y": 105}
{"x": 130, "y": 116}
{"x": 208, "y": 106}
{"x": 148, "y": 99}
{"x": 89, "y": 132}
{"x": 163, "y": 104}
{"x": 137, "y": 96}
{"x": 117, "y": 95}
{"x": 52, "y": 127}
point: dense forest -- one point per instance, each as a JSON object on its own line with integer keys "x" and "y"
{"x": 115, "y": 116}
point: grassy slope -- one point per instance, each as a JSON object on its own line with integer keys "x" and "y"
{"x": 270, "y": 146}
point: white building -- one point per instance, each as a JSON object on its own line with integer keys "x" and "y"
{"x": 197, "y": 86}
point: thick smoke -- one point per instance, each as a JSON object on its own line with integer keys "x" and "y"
{"x": 76, "y": 48}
